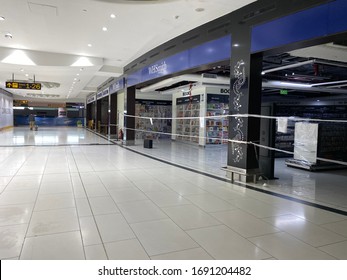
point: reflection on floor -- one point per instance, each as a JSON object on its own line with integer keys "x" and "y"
{"x": 106, "y": 202}
{"x": 327, "y": 188}
{"x": 20, "y": 136}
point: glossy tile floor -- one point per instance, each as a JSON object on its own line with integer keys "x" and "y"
{"x": 106, "y": 202}
{"x": 327, "y": 188}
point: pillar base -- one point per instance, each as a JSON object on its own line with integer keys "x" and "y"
{"x": 242, "y": 175}
{"x": 129, "y": 142}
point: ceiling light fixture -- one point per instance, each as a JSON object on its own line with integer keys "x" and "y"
{"x": 8, "y": 35}
{"x": 2, "y": 18}
{"x": 82, "y": 61}
{"x": 89, "y": 45}
{"x": 104, "y": 28}
{"x": 199, "y": 10}
{"x": 112, "y": 16}
{"x": 18, "y": 57}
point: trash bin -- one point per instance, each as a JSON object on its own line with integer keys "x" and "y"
{"x": 148, "y": 143}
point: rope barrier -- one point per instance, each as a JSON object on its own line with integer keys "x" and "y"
{"x": 227, "y": 140}
{"x": 236, "y": 116}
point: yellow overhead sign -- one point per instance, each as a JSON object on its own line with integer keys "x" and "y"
{"x": 21, "y": 85}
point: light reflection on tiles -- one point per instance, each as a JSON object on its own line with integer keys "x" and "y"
{"x": 109, "y": 198}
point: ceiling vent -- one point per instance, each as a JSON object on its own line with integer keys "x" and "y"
{"x": 209, "y": 76}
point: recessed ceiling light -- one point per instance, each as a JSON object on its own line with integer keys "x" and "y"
{"x": 104, "y": 28}
{"x": 26, "y": 75}
{"x": 89, "y": 45}
{"x": 21, "y": 69}
{"x": 81, "y": 69}
{"x": 2, "y": 18}
{"x": 78, "y": 74}
{"x": 8, "y": 35}
{"x": 112, "y": 16}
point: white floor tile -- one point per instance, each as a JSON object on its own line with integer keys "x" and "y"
{"x": 79, "y": 191}
{"x": 95, "y": 252}
{"x": 258, "y": 208}
{"x": 56, "y": 178}
{"x": 125, "y": 195}
{"x": 227, "y": 192}
{"x": 224, "y": 244}
{"x": 162, "y": 236}
{"x": 89, "y": 231}
{"x": 126, "y": 250}
{"x": 96, "y": 190}
{"x": 15, "y": 214}
{"x": 140, "y": 211}
{"x": 113, "y": 227}
{"x": 283, "y": 246}
{"x": 150, "y": 186}
{"x": 53, "y": 221}
{"x": 190, "y": 217}
{"x": 209, "y": 203}
{"x": 24, "y": 182}
{"x": 62, "y": 246}
{"x": 338, "y": 227}
{"x": 244, "y": 223}
{"x": 315, "y": 215}
{"x": 337, "y": 250}
{"x": 18, "y": 197}
{"x": 190, "y": 254}
{"x": 83, "y": 208}
{"x": 5, "y": 180}
{"x": 103, "y": 205}
{"x": 54, "y": 201}
{"x": 305, "y": 231}
{"x": 167, "y": 198}
{"x": 53, "y": 188}
{"x": 138, "y": 185}
{"x": 11, "y": 240}
{"x": 183, "y": 187}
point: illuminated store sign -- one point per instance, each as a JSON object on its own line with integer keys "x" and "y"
{"x": 20, "y": 85}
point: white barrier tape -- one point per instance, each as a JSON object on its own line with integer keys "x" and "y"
{"x": 233, "y": 141}
{"x": 287, "y": 152}
{"x": 237, "y": 116}
{"x": 175, "y": 134}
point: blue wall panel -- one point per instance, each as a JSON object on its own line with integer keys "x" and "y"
{"x": 210, "y": 52}
{"x": 323, "y": 20}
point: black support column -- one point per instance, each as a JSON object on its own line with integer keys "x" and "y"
{"x": 130, "y": 121}
{"x": 113, "y": 116}
{"x": 245, "y": 98}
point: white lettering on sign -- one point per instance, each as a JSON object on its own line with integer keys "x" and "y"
{"x": 158, "y": 68}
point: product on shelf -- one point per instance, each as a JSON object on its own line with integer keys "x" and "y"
{"x": 158, "y": 127}
{"x": 217, "y": 128}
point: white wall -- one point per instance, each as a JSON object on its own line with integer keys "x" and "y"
{"x": 120, "y": 109}
{"x": 6, "y": 111}
{"x": 153, "y": 96}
